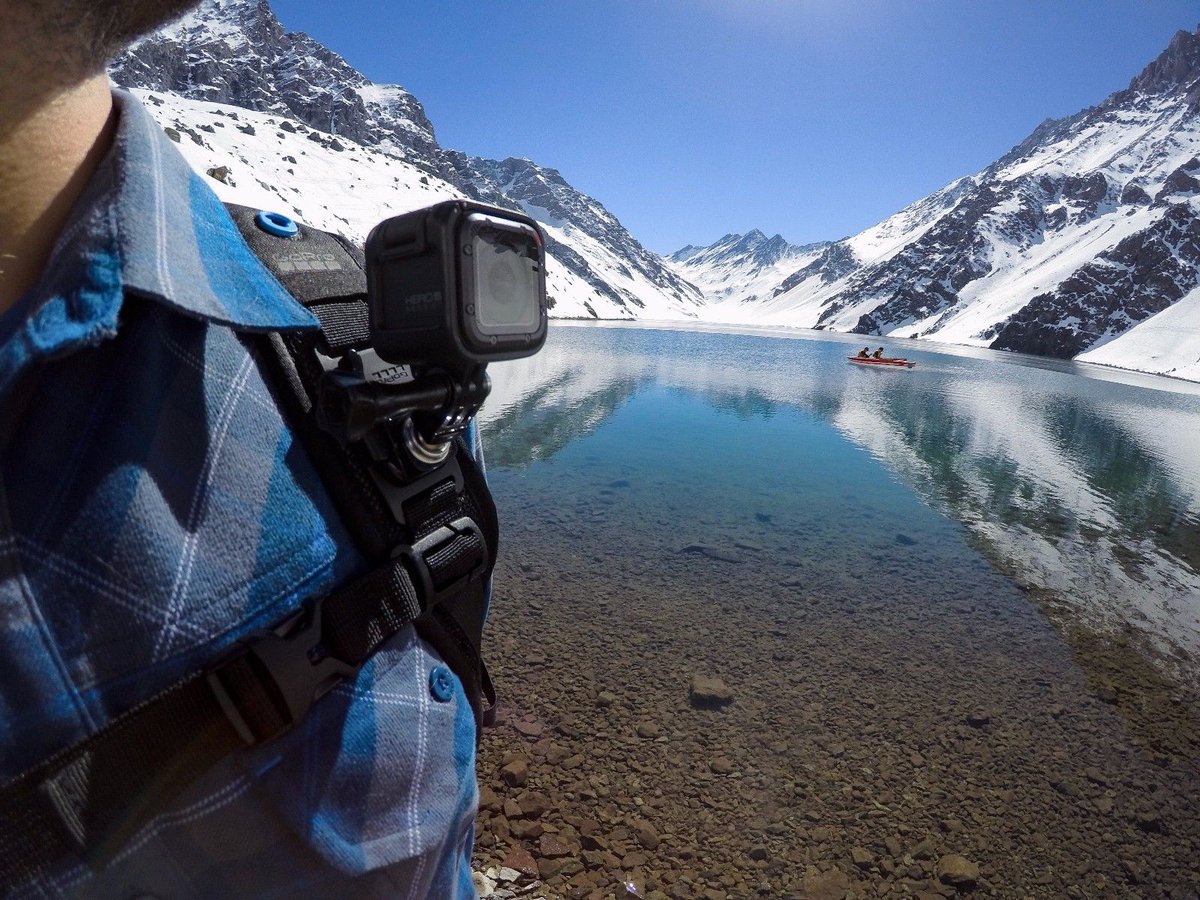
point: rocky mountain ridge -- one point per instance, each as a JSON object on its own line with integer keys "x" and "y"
{"x": 1079, "y": 242}
{"x": 235, "y": 54}
{"x": 742, "y": 268}
{"x": 1068, "y": 245}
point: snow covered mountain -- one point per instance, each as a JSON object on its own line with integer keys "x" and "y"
{"x": 280, "y": 121}
{"x": 743, "y": 268}
{"x": 1081, "y": 242}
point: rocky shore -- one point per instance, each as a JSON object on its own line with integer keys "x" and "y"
{"x": 730, "y": 719}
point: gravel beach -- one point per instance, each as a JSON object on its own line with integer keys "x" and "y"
{"x": 725, "y": 717}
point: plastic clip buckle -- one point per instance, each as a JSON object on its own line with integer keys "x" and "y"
{"x": 293, "y": 665}
{"x": 416, "y": 559}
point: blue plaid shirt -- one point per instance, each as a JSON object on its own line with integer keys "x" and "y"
{"x": 154, "y": 507}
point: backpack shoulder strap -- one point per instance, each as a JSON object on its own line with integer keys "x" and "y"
{"x": 430, "y": 542}
{"x": 327, "y": 274}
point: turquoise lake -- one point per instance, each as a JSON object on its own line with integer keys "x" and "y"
{"x": 951, "y": 594}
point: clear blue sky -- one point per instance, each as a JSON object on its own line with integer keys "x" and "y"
{"x": 690, "y": 119}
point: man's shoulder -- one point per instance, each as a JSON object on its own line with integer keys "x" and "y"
{"x": 158, "y": 506}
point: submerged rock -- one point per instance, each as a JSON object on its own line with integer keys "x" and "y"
{"x": 712, "y": 552}
{"x": 977, "y": 718}
{"x": 708, "y": 693}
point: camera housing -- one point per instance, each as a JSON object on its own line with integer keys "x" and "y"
{"x": 455, "y": 285}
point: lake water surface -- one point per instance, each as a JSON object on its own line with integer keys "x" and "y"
{"x": 958, "y": 608}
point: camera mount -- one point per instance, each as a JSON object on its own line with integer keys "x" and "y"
{"x": 430, "y": 410}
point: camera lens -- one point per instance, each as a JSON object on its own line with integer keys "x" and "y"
{"x": 502, "y": 278}
{"x": 507, "y": 289}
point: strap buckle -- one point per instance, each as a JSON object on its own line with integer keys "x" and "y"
{"x": 293, "y": 669}
{"x": 436, "y": 579}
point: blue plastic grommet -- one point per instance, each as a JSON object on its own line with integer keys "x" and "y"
{"x": 276, "y": 223}
{"x": 441, "y": 684}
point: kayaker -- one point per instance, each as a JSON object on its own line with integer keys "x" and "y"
{"x": 864, "y": 353}
{"x": 878, "y": 354}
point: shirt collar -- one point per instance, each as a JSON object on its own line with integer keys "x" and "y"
{"x": 179, "y": 244}
{"x": 147, "y": 226}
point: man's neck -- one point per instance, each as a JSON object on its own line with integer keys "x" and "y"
{"x": 51, "y": 144}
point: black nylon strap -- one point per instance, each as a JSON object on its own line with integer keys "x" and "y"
{"x": 382, "y": 603}
{"x": 344, "y": 324}
{"x": 455, "y": 627}
{"x": 91, "y": 798}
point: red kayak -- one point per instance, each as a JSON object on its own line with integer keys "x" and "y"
{"x": 882, "y": 361}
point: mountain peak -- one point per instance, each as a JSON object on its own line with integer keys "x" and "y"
{"x": 237, "y": 52}
{"x": 1176, "y": 67}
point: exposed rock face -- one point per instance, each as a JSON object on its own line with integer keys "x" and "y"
{"x": 1176, "y": 69}
{"x": 1065, "y": 243}
{"x": 836, "y": 261}
{"x": 546, "y": 195}
{"x": 236, "y": 52}
{"x": 1142, "y": 275}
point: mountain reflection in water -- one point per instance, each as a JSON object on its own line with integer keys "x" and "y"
{"x": 1086, "y": 489}
{"x": 956, "y": 607}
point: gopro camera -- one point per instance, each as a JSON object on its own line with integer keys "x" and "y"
{"x": 456, "y": 285}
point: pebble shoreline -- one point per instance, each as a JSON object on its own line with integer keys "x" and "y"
{"x": 908, "y": 741}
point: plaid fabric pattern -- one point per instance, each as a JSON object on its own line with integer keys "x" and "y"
{"x": 154, "y": 507}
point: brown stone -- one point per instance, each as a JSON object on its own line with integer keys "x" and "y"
{"x": 488, "y": 799}
{"x": 551, "y": 845}
{"x": 707, "y": 692}
{"x": 516, "y": 773}
{"x": 721, "y": 765}
{"x": 530, "y": 729}
{"x": 594, "y": 842}
{"x": 526, "y": 829}
{"x": 533, "y": 805}
{"x": 648, "y": 729}
{"x": 522, "y": 860}
{"x": 957, "y": 870}
{"x": 831, "y": 885}
{"x": 646, "y": 835}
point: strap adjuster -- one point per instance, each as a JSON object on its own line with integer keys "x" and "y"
{"x": 292, "y": 668}
{"x": 439, "y": 573}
